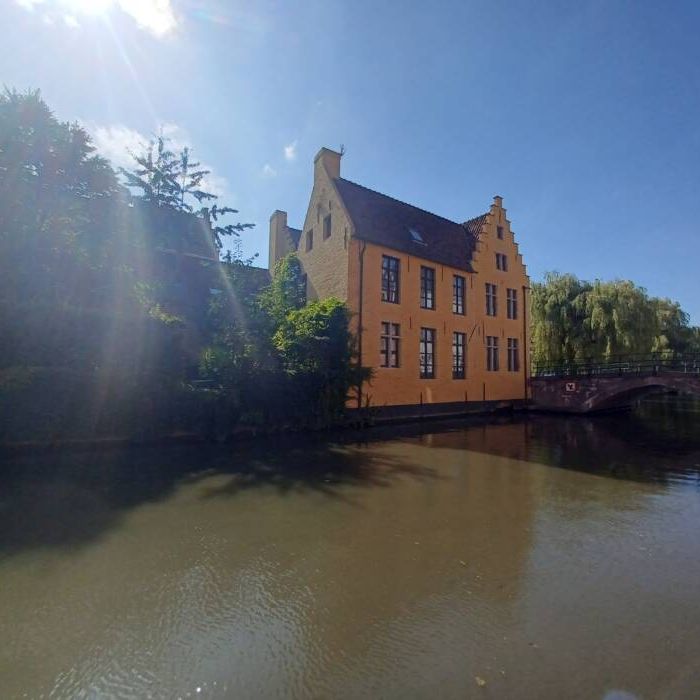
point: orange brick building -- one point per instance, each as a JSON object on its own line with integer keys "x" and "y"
{"x": 439, "y": 307}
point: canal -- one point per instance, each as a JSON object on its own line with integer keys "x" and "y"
{"x": 547, "y": 557}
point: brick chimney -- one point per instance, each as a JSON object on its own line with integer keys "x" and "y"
{"x": 330, "y": 160}
{"x": 279, "y": 238}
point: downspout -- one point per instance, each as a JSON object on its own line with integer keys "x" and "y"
{"x": 359, "y": 316}
{"x": 526, "y": 362}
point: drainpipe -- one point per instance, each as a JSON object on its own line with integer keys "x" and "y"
{"x": 359, "y": 316}
{"x": 526, "y": 363}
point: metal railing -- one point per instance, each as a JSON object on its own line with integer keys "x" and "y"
{"x": 623, "y": 365}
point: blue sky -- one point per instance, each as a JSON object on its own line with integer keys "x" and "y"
{"x": 585, "y": 116}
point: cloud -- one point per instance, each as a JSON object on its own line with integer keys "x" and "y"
{"x": 71, "y": 21}
{"x": 155, "y": 16}
{"x": 290, "y": 151}
{"x": 116, "y": 142}
{"x": 268, "y": 171}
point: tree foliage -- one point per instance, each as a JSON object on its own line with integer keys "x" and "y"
{"x": 168, "y": 179}
{"x": 572, "y": 319}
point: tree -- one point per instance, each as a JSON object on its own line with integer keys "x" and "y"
{"x": 572, "y": 319}
{"x": 57, "y": 199}
{"x": 168, "y": 179}
{"x": 286, "y": 292}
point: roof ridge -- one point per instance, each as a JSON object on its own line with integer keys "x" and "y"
{"x": 400, "y": 201}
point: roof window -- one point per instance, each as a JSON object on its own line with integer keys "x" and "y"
{"x": 416, "y": 237}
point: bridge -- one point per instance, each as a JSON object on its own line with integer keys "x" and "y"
{"x": 585, "y": 386}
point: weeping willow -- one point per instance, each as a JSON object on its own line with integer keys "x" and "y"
{"x": 574, "y": 319}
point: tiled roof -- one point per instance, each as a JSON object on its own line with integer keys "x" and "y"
{"x": 474, "y": 225}
{"x": 295, "y": 234}
{"x": 389, "y": 222}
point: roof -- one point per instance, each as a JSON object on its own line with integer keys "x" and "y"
{"x": 295, "y": 235}
{"x": 389, "y": 222}
{"x": 474, "y": 225}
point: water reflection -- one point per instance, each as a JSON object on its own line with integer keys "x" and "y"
{"x": 401, "y": 566}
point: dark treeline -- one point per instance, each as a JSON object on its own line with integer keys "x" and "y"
{"x": 118, "y": 315}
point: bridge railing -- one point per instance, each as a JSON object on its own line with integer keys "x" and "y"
{"x": 622, "y": 365}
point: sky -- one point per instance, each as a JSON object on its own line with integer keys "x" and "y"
{"x": 584, "y": 116}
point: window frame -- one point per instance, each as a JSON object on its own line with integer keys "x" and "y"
{"x": 502, "y": 262}
{"x": 499, "y": 232}
{"x": 459, "y": 355}
{"x": 513, "y": 355}
{"x": 426, "y": 355}
{"x": 390, "y": 345}
{"x": 310, "y": 239}
{"x": 459, "y": 295}
{"x": 390, "y": 293}
{"x": 492, "y": 359}
{"x": 512, "y": 303}
{"x": 327, "y": 227}
{"x": 491, "y": 299}
{"x": 427, "y": 287}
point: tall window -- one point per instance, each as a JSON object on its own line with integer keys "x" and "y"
{"x": 491, "y": 303}
{"x": 501, "y": 262}
{"x": 458, "y": 294}
{"x": 327, "y": 227}
{"x": 427, "y": 353}
{"x": 512, "y": 303}
{"x": 458, "y": 355}
{"x": 492, "y": 353}
{"x": 499, "y": 232}
{"x": 309, "y": 239}
{"x": 513, "y": 357}
{"x": 390, "y": 279}
{"x": 389, "y": 344}
{"x": 427, "y": 287}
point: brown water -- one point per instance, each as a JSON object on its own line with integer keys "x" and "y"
{"x": 547, "y": 558}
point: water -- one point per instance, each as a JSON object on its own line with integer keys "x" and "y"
{"x": 543, "y": 558}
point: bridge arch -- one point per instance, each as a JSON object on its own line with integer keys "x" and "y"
{"x": 618, "y": 392}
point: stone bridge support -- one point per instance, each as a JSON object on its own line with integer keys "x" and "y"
{"x": 600, "y": 393}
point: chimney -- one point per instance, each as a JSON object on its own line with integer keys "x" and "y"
{"x": 278, "y": 238}
{"x": 330, "y": 160}
{"x": 498, "y": 201}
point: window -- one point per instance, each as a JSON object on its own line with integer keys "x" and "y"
{"x": 427, "y": 287}
{"x": 416, "y": 237}
{"x": 499, "y": 232}
{"x": 492, "y": 353}
{"x": 501, "y": 262}
{"x": 513, "y": 358}
{"x": 390, "y": 279}
{"x": 427, "y": 353}
{"x": 327, "y": 227}
{"x": 309, "y": 239}
{"x": 512, "y": 303}
{"x": 491, "y": 303}
{"x": 389, "y": 345}
{"x": 458, "y": 294}
{"x": 458, "y": 355}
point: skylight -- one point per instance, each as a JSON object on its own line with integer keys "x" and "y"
{"x": 416, "y": 237}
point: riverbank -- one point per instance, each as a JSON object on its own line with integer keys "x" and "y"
{"x": 362, "y": 419}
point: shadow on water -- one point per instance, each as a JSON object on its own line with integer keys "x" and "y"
{"x": 69, "y": 499}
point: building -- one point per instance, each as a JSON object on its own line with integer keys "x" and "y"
{"x": 439, "y": 307}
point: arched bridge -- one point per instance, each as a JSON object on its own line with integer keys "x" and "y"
{"x": 587, "y": 386}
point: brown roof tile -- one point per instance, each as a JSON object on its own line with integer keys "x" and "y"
{"x": 389, "y": 222}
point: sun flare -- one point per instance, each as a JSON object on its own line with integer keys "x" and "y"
{"x": 88, "y": 7}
